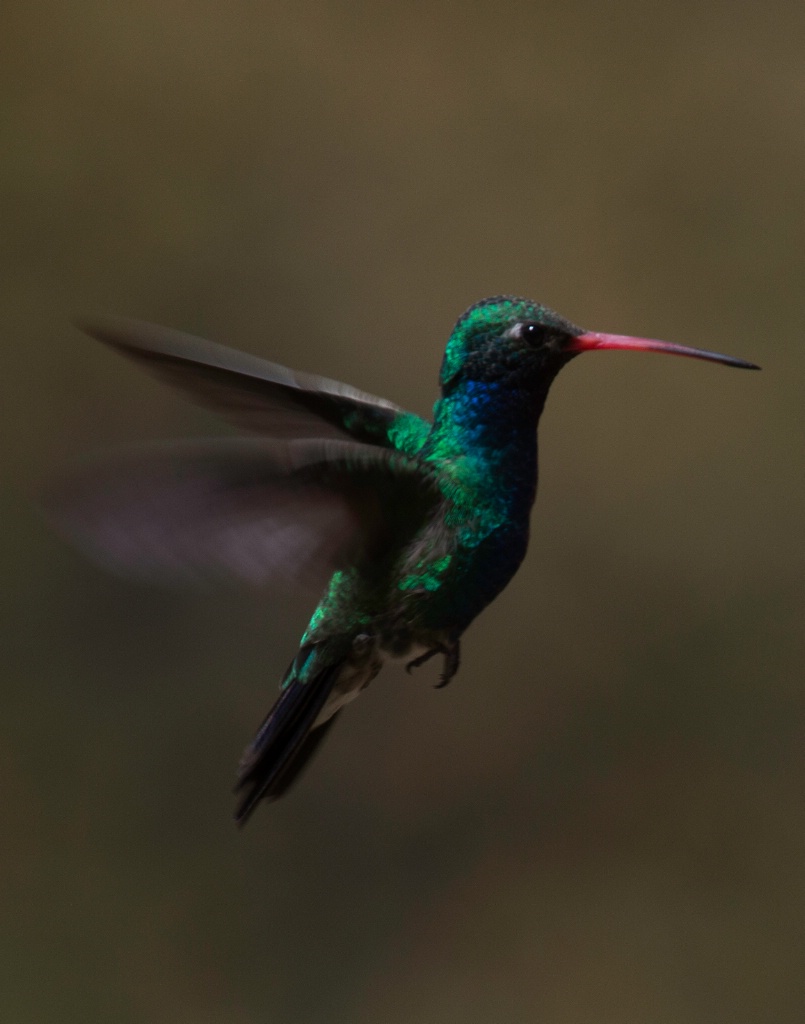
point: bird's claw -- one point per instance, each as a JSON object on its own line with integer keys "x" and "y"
{"x": 451, "y": 662}
{"x": 416, "y": 662}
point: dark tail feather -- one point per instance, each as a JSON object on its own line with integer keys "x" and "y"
{"x": 285, "y": 742}
{"x": 300, "y": 760}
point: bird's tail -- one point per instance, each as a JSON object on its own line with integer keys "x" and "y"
{"x": 287, "y": 738}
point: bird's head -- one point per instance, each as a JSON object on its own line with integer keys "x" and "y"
{"x": 514, "y": 341}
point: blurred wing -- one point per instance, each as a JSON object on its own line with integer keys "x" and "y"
{"x": 254, "y": 393}
{"x": 257, "y": 510}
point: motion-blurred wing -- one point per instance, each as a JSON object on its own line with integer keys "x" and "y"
{"x": 257, "y": 509}
{"x": 256, "y": 394}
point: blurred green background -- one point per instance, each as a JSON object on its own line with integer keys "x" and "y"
{"x": 602, "y": 820}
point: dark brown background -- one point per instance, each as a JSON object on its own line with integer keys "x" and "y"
{"x": 602, "y": 819}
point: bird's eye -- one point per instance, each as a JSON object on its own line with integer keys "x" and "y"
{"x": 530, "y": 332}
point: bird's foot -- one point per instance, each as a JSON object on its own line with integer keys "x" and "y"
{"x": 452, "y": 659}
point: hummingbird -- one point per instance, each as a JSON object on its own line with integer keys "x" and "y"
{"x": 411, "y": 527}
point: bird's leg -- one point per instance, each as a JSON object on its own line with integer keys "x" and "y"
{"x": 452, "y": 659}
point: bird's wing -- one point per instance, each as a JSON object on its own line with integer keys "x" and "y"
{"x": 255, "y": 509}
{"x": 258, "y": 395}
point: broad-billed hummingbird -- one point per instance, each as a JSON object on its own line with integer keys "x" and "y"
{"x": 413, "y": 527}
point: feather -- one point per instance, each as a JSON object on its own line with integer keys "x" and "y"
{"x": 250, "y": 392}
{"x": 255, "y": 509}
{"x": 285, "y": 741}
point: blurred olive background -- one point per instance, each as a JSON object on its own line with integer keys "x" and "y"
{"x": 602, "y": 818}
